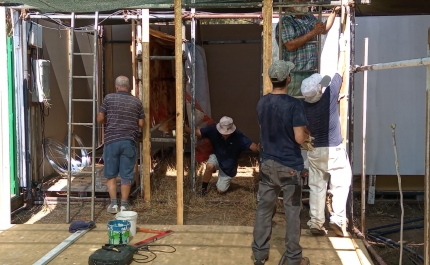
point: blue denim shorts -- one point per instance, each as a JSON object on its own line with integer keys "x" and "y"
{"x": 120, "y": 157}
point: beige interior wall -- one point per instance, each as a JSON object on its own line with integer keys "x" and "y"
{"x": 55, "y": 49}
{"x": 234, "y": 74}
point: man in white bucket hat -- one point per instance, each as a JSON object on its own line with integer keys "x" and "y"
{"x": 328, "y": 160}
{"x": 227, "y": 143}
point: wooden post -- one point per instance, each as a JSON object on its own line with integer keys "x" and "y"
{"x": 427, "y": 166}
{"x": 146, "y": 146}
{"x": 179, "y": 116}
{"x": 267, "y": 44}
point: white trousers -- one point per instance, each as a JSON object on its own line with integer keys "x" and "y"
{"x": 328, "y": 165}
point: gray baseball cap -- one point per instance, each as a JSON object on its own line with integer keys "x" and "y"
{"x": 279, "y": 70}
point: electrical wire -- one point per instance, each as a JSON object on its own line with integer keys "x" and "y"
{"x": 152, "y": 256}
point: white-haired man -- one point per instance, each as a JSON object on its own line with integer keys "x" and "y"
{"x": 328, "y": 161}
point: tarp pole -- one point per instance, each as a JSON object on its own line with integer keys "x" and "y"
{"x": 179, "y": 115}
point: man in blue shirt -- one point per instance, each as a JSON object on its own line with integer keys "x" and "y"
{"x": 227, "y": 143}
{"x": 328, "y": 161}
{"x": 283, "y": 129}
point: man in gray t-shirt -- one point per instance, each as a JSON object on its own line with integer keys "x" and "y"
{"x": 328, "y": 160}
{"x": 122, "y": 114}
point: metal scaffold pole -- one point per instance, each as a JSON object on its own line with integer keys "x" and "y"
{"x": 69, "y": 138}
{"x": 193, "y": 99}
{"x": 93, "y": 149}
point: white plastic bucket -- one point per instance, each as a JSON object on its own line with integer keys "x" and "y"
{"x": 130, "y": 216}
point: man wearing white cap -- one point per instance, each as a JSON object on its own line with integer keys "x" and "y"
{"x": 283, "y": 123}
{"x": 227, "y": 143}
{"x": 328, "y": 161}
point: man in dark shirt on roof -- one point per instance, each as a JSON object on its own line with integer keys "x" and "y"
{"x": 122, "y": 114}
{"x": 328, "y": 161}
{"x": 227, "y": 143}
{"x": 283, "y": 123}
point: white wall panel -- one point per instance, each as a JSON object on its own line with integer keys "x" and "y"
{"x": 394, "y": 96}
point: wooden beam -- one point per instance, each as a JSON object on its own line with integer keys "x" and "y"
{"x": 267, "y": 44}
{"x": 179, "y": 115}
{"x": 146, "y": 146}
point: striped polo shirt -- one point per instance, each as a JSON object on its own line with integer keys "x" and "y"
{"x": 123, "y": 111}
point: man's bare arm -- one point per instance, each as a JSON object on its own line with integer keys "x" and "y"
{"x": 330, "y": 20}
{"x": 255, "y": 147}
{"x": 300, "y": 134}
{"x": 187, "y": 130}
{"x": 302, "y": 40}
{"x": 141, "y": 123}
{"x": 101, "y": 118}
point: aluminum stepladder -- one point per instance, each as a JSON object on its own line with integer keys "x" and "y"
{"x": 92, "y": 100}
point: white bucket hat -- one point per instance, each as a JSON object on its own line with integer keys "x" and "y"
{"x": 309, "y": 87}
{"x": 226, "y": 125}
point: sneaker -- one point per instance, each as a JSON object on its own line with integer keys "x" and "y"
{"x": 338, "y": 230}
{"x": 317, "y": 231}
{"x": 112, "y": 208}
{"x": 305, "y": 261}
{"x": 125, "y": 208}
{"x": 202, "y": 192}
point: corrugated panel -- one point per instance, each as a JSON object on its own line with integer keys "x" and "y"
{"x": 394, "y": 96}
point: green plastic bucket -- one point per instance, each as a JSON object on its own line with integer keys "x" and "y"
{"x": 119, "y": 232}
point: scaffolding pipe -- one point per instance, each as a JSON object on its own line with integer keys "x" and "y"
{"x": 193, "y": 99}
{"x": 69, "y": 138}
{"x": 369, "y": 247}
{"x": 398, "y": 64}
{"x": 350, "y": 138}
{"x": 363, "y": 154}
{"x": 95, "y": 78}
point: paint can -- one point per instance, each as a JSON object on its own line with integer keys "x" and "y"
{"x": 130, "y": 216}
{"x": 119, "y": 232}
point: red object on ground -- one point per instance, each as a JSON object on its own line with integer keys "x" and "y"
{"x": 154, "y": 238}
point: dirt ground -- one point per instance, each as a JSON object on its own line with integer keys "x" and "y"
{"x": 237, "y": 207}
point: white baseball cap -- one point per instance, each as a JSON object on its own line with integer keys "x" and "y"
{"x": 309, "y": 85}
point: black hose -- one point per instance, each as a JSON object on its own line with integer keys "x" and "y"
{"x": 394, "y": 224}
{"x": 392, "y": 243}
{"x": 381, "y": 233}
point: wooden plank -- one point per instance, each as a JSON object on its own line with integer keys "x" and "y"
{"x": 344, "y": 90}
{"x": 179, "y": 115}
{"x": 195, "y": 244}
{"x": 146, "y": 141}
{"x": 267, "y": 44}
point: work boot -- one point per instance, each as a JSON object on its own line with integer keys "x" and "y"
{"x": 112, "y": 208}
{"x": 339, "y": 230}
{"x": 305, "y": 261}
{"x": 317, "y": 231}
{"x": 260, "y": 261}
{"x": 202, "y": 192}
